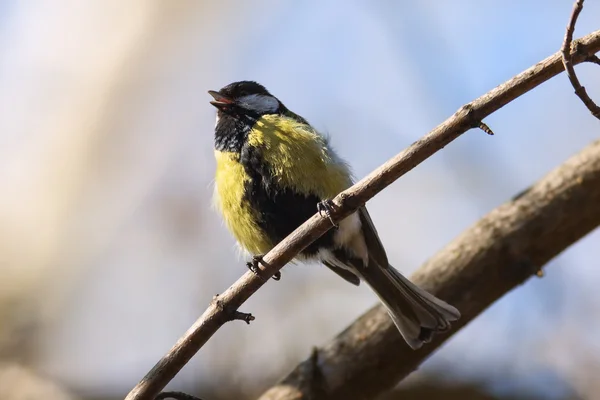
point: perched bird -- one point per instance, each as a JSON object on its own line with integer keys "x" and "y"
{"x": 274, "y": 171}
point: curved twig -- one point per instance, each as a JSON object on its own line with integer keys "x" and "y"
{"x": 467, "y": 117}
{"x": 567, "y": 59}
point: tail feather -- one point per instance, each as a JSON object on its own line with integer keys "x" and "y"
{"x": 417, "y": 314}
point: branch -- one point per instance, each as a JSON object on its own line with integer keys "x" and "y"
{"x": 498, "y": 253}
{"x": 567, "y": 59}
{"x": 346, "y": 203}
{"x": 176, "y": 396}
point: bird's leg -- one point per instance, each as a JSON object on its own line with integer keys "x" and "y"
{"x": 253, "y": 266}
{"x": 327, "y": 207}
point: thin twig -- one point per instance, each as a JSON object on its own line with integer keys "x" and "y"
{"x": 593, "y": 59}
{"x": 231, "y": 314}
{"x": 347, "y": 202}
{"x": 176, "y": 396}
{"x": 567, "y": 59}
{"x": 498, "y": 253}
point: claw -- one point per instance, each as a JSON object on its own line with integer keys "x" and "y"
{"x": 327, "y": 207}
{"x": 253, "y": 266}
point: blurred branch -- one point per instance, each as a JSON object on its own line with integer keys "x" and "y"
{"x": 176, "y": 396}
{"x": 567, "y": 59}
{"x": 501, "y": 251}
{"x": 467, "y": 117}
{"x": 18, "y": 382}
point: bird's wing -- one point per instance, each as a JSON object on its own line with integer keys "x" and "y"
{"x": 344, "y": 273}
{"x": 374, "y": 245}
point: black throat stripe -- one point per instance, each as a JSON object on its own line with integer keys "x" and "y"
{"x": 279, "y": 211}
{"x": 232, "y": 131}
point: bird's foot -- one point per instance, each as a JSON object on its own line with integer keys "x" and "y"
{"x": 253, "y": 266}
{"x": 326, "y": 207}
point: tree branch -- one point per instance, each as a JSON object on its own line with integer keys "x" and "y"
{"x": 498, "y": 253}
{"x": 176, "y": 396}
{"x": 567, "y": 59}
{"x": 347, "y": 202}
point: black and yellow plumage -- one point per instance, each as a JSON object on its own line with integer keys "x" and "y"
{"x": 273, "y": 169}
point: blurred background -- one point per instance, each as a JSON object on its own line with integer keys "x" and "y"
{"x": 109, "y": 247}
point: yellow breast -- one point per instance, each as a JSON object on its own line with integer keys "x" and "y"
{"x": 229, "y": 193}
{"x": 298, "y": 158}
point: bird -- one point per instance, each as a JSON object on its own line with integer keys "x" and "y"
{"x": 274, "y": 171}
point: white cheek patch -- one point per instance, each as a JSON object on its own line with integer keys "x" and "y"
{"x": 260, "y": 103}
{"x": 217, "y": 120}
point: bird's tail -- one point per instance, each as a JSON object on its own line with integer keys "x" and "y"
{"x": 417, "y": 314}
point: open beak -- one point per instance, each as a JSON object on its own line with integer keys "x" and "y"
{"x": 220, "y": 101}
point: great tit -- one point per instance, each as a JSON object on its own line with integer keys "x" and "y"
{"x": 274, "y": 171}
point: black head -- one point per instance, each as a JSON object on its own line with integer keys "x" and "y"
{"x": 245, "y": 98}
{"x": 240, "y": 105}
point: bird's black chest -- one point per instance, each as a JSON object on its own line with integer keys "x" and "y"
{"x": 278, "y": 210}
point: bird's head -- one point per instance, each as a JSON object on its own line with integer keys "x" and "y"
{"x": 245, "y": 98}
{"x": 239, "y": 106}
